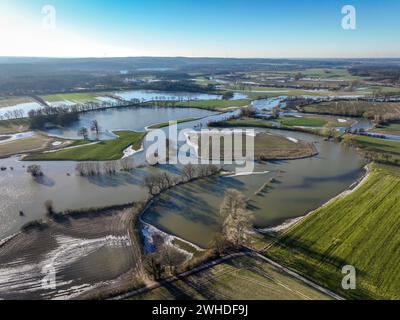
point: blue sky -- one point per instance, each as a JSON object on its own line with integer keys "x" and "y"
{"x": 235, "y": 28}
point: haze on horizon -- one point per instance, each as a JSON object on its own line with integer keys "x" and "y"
{"x": 235, "y": 28}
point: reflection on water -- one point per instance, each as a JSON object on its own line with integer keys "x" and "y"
{"x": 151, "y": 95}
{"x": 19, "y": 192}
{"x": 190, "y": 211}
{"x": 127, "y": 118}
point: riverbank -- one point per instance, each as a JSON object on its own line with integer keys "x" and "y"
{"x": 267, "y": 146}
{"x": 338, "y": 234}
{"x": 289, "y": 224}
{"x": 102, "y": 151}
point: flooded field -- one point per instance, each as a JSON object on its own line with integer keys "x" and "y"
{"x": 93, "y": 251}
{"x": 127, "y": 118}
{"x": 21, "y": 109}
{"x": 150, "y": 95}
{"x": 190, "y": 211}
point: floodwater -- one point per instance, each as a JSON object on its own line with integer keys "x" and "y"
{"x": 126, "y": 118}
{"x": 304, "y": 184}
{"x": 86, "y": 257}
{"x": 151, "y": 95}
{"x": 68, "y": 191}
{"x": 190, "y": 211}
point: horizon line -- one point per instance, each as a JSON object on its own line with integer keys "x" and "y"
{"x": 203, "y": 57}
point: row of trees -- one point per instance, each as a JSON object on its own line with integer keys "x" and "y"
{"x": 58, "y": 116}
{"x": 12, "y": 114}
{"x": 236, "y": 221}
{"x": 94, "y": 127}
{"x": 90, "y": 169}
{"x": 160, "y": 182}
{"x": 50, "y": 113}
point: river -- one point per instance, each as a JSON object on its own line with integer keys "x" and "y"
{"x": 89, "y": 253}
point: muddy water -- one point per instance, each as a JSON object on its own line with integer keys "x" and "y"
{"x": 127, "y": 118}
{"x": 86, "y": 259}
{"x": 68, "y": 191}
{"x": 19, "y": 192}
{"x": 190, "y": 211}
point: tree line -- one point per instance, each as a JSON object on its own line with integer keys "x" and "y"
{"x": 90, "y": 169}
{"x": 160, "y": 182}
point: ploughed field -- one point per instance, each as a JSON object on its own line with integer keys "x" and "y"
{"x": 238, "y": 279}
{"x": 360, "y": 229}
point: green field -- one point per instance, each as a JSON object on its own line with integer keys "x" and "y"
{"x": 354, "y": 108}
{"x": 213, "y": 104}
{"x": 380, "y": 89}
{"x": 361, "y": 229}
{"x": 239, "y": 279}
{"x": 286, "y": 123}
{"x": 375, "y": 144}
{"x": 392, "y": 128}
{"x": 303, "y": 122}
{"x": 202, "y": 81}
{"x": 246, "y": 122}
{"x": 325, "y": 73}
{"x": 80, "y": 97}
{"x": 166, "y": 124}
{"x": 102, "y": 151}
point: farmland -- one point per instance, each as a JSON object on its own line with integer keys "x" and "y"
{"x": 214, "y": 104}
{"x": 166, "y": 124}
{"x": 72, "y": 97}
{"x": 239, "y": 279}
{"x": 354, "y": 108}
{"x": 360, "y": 229}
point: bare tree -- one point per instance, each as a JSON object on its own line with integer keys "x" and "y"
{"x": 83, "y": 132}
{"x": 236, "y": 218}
{"x": 49, "y": 207}
{"x": 95, "y": 127}
{"x": 157, "y": 183}
{"x": 110, "y": 167}
{"x": 248, "y": 111}
{"x": 151, "y": 183}
{"x": 35, "y": 170}
{"x": 127, "y": 164}
{"x": 188, "y": 172}
{"x": 154, "y": 266}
